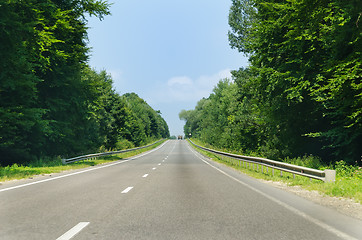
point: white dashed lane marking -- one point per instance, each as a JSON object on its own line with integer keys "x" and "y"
{"x": 74, "y": 231}
{"x": 127, "y": 190}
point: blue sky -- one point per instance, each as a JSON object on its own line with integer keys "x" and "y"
{"x": 171, "y": 53}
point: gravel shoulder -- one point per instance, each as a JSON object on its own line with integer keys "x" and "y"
{"x": 345, "y": 206}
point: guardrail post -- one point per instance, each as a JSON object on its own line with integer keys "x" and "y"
{"x": 329, "y": 175}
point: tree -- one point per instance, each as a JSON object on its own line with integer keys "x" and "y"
{"x": 306, "y": 67}
{"x": 60, "y": 55}
{"x": 20, "y": 117}
{"x": 43, "y": 51}
{"x": 150, "y": 121}
{"x": 51, "y": 102}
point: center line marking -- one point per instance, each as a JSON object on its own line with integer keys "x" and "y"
{"x": 145, "y": 175}
{"x": 127, "y": 190}
{"x": 153, "y": 168}
{"x": 74, "y": 231}
{"x": 159, "y": 164}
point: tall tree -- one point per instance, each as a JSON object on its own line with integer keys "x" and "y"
{"x": 20, "y": 116}
{"x": 61, "y": 55}
{"x": 151, "y": 121}
{"x": 51, "y": 102}
{"x": 43, "y": 51}
{"x": 305, "y": 59}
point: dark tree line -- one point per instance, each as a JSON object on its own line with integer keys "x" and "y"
{"x": 51, "y": 102}
{"x": 302, "y": 92}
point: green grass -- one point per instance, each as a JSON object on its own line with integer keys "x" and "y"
{"x": 348, "y": 182}
{"x": 49, "y": 166}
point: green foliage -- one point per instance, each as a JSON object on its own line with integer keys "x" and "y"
{"x": 224, "y": 120}
{"x": 309, "y": 161}
{"x": 210, "y": 115}
{"x": 304, "y": 80}
{"x": 51, "y": 103}
{"x": 20, "y": 117}
{"x": 301, "y": 94}
{"x": 42, "y": 53}
{"x": 149, "y": 122}
{"x": 344, "y": 170}
{"x": 124, "y": 144}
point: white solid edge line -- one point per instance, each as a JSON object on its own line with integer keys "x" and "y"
{"x": 83, "y": 171}
{"x": 59, "y": 177}
{"x": 74, "y": 231}
{"x": 294, "y": 210}
{"x": 127, "y": 190}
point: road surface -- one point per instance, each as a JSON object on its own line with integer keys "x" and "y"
{"x": 169, "y": 193}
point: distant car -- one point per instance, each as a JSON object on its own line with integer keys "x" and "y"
{"x": 179, "y": 137}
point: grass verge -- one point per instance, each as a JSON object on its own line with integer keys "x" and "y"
{"x": 43, "y": 167}
{"x": 346, "y": 185}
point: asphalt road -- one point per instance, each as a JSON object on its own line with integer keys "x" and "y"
{"x": 169, "y": 193}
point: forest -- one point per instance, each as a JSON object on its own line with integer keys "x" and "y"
{"x": 301, "y": 93}
{"x": 51, "y": 102}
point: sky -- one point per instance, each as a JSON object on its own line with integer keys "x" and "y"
{"x": 170, "y": 53}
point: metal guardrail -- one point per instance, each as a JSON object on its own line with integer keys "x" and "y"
{"x": 326, "y": 175}
{"x": 95, "y": 155}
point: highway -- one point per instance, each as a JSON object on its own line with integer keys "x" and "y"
{"x": 171, "y": 192}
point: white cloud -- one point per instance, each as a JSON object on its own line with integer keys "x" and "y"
{"x": 118, "y": 80}
{"x": 179, "y": 81}
{"x": 186, "y": 89}
{"x": 116, "y": 74}
{"x": 207, "y": 81}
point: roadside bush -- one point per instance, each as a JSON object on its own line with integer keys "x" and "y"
{"x": 309, "y": 161}
{"x": 344, "y": 170}
{"x": 124, "y": 144}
